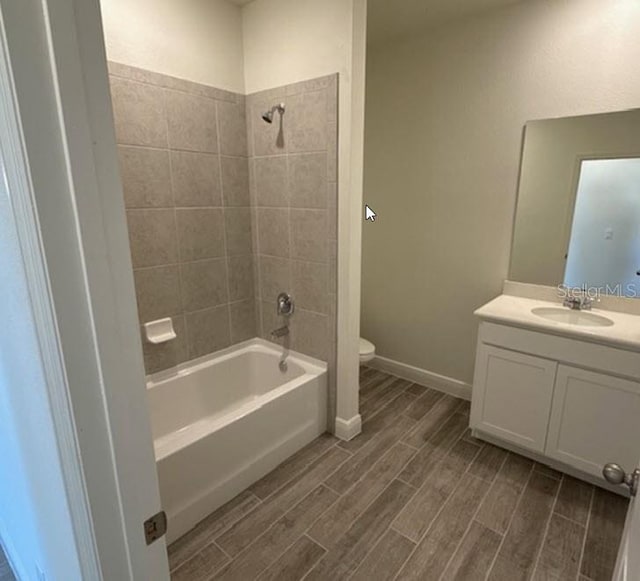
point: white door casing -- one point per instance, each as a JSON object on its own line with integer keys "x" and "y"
{"x": 59, "y": 69}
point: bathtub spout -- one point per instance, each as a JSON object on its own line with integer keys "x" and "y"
{"x": 277, "y": 334}
{"x": 281, "y": 332}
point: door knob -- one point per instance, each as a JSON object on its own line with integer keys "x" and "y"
{"x": 615, "y": 474}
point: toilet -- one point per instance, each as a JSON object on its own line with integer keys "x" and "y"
{"x": 367, "y": 351}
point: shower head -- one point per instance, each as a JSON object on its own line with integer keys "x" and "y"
{"x": 267, "y": 116}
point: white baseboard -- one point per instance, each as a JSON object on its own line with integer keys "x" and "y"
{"x": 348, "y": 429}
{"x": 423, "y": 377}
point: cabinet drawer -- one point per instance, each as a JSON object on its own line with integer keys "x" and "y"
{"x": 512, "y": 395}
{"x": 595, "y": 419}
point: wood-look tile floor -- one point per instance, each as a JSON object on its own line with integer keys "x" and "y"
{"x": 415, "y": 496}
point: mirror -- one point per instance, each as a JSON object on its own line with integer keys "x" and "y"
{"x": 578, "y": 213}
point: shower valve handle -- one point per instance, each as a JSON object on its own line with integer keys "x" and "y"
{"x": 285, "y": 305}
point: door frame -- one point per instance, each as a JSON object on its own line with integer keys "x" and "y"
{"x": 62, "y": 169}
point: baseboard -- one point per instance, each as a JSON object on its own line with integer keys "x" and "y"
{"x": 348, "y": 429}
{"x": 423, "y": 377}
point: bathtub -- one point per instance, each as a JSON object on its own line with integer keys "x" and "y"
{"x": 223, "y": 421}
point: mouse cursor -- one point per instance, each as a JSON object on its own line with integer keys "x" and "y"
{"x": 369, "y": 214}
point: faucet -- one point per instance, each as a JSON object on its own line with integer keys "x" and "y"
{"x": 281, "y": 332}
{"x": 277, "y": 334}
{"x": 578, "y": 303}
{"x": 284, "y": 307}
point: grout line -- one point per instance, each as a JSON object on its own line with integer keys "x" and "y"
{"x": 186, "y": 343}
{"x": 399, "y": 479}
{"x": 196, "y": 261}
{"x": 471, "y": 520}
{"x": 370, "y": 469}
{"x": 286, "y": 258}
{"x": 324, "y": 482}
{"x": 291, "y": 290}
{"x": 506, "y": 532}
{"x": 224, "y": 223}
{"x": 370, "y": 503}
{"x": 186, "y": 208}
{"x": 280, "y": 554}
{"x": 435, "y": 518}
{"x": 302, "y": 470}
{"x": 170, "y": 150}
{"x": 236, "y": 521}
{"x": 484, "y": 525}
{"x": 586, "y": 530}
{"x": 424, "y": 535}
{"x": 306, "y": 467}
{"x": 570, "y": 520}
{"x": 409, "y": 446}
{"x": 546, "y": 528}
{"x": 255, "y": 222}
{"x": 373, "y": 548}
{"x": 215, "y": 542}
{"x": 131, "y": 79}
{"x": 305, "y": 534}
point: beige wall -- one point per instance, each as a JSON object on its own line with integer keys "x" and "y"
{"x": 286, "y": 41}
{"x": 444, "y": 121}
{"x": 197, "y": 40}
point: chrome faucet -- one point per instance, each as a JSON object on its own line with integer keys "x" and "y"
{"x": 284, "y": 308}
{"x": 281, "y": 332}
{"x": 277, "y": 334}
{"x": 578, "y": 303}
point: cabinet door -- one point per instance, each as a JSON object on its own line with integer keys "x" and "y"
{"x": 512, "y": 396}
{"x": 595, "y": 419}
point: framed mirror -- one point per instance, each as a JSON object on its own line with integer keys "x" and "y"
{"x": 577, "y": 220}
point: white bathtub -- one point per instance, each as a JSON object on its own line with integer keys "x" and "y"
{"x": 223, "y": 421}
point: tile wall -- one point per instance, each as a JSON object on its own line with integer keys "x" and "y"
{"x": 293, "y": 169}
{"x": 184, "y": 168}
{"x": 225, "y": 211}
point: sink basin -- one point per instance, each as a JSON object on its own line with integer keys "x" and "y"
{"x": 570, "y": 317}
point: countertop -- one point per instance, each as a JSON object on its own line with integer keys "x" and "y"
{"x": 516, "y": 312}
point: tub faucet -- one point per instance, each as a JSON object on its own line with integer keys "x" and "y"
{"x": 281, "y": 332}
{"x": 277, "y": 334}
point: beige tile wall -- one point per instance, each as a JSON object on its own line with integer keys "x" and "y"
{"x": 226, "y": 211}
{"x": 184, "y": 167}
{"x": 293, "y": 171}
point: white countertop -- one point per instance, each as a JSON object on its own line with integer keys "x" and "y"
{"x": 516, "y": 312}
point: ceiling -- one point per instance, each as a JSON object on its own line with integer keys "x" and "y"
{"x": 240, "y": 2}
{"x": 389, "y": 19}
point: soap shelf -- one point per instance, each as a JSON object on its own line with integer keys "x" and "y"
{"x": 160, "y": 331}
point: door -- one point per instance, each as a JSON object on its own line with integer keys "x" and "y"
{"x": 69, "y": 205}
{"x": 628, "y": 562}
{"x": 586, "y": 406}
{"x": 512, "y": 396}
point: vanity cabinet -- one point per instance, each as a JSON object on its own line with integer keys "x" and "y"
{"x": 516, "y": 392}
{"x": 595, "y": 419}
{"x": 560, "y": 398}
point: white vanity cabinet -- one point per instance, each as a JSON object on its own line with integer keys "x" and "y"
{"x": 594, "y": 418}
{"x": 565, "y": 399}
{"x": 515, "y": 391}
